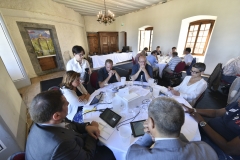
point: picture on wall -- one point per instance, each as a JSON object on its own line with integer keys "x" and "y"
{"x": 42, "y": 42}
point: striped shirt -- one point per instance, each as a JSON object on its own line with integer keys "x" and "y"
{"x": 232, "y": 67}
{"x": 173, "y": 62}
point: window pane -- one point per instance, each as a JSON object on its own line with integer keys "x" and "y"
{"x": 204, "y": 39}
{"x": 192, "y": 44}
{"x": 147, "y": 38}
{"x": 200, "y": 51}
{"x": 193, "y": 39}
{"x": 207, "y": 26}
{"x": 202, "y": 27}
{"x": 189, "y": 39}
{"x": 199, "y": 39}
{"x": 195, "y": 33}
{"x": 196, "y": 27}
{"x": 191, "y": 28}
{"x": 190, "y": 34}
{"x": 188, "y": 45}
{"x": 202, "y": 45}
{"x": 195, "y": 50}
{"x": 200, "y": 33}
{"x": 205, "y": 33}
{"x": 197, "y": 45}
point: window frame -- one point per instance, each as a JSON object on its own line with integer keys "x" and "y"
{"x": 200, "y": 22}
{"x": 140, "y": 36}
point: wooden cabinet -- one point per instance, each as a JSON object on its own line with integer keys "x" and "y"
{"x": 103, "y": 42}
{"x": 47, "y": 63}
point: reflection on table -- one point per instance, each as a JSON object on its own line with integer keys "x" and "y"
{"x": 99, "y": 61}
{"x": 137, "y": 106}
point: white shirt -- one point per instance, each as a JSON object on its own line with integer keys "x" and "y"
{"x": 192, "y": 92}
{"x": 232, "y": 67}
{"x": 72, "y": 98}
{"x": 75, "y": 66}
{"x": 188, "y": 58}
{"x": 158, "y": 139}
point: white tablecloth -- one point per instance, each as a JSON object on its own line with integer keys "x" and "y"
{"x": 189, "y": 128}
{"x": 99, "y": 61}
{"x": 162, "y": 62}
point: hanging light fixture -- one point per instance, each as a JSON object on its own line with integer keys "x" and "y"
{"x": 106, "y": 17}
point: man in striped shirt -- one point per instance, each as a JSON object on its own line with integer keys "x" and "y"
{"x": 231, "y": 70}
{"x": 172, "y": 63}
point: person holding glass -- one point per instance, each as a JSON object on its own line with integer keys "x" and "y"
{"x": 192, "y": 86}
{"x": 78, "y": 63}
{"x": 76, "y": 95}
{"x": 107, "y": 74}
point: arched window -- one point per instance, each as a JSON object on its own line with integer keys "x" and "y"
{"x": 198, "y": 36}
{"x": 145, "y": 38}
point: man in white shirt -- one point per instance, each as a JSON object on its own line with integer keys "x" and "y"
{"x": 174, "y": 49}
{"x": 172, "y": 63}
{"x": 188, "y": 57}
{"x": 162, "y": 138}
{"x": 78, "y": 63}
{"x": 231, "y": 70}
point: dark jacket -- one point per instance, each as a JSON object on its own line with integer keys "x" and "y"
{"x": 51, "y": 142}
{"x": 215, "y": 78}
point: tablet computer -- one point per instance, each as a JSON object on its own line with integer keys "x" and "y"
{"x": 137, "y": 128}
{"x": 110, "y": 117}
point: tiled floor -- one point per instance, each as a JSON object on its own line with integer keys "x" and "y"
{"x": 29, "y": 92}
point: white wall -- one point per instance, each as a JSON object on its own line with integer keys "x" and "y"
{"x": 166, "y": 20}
{"x": 69, "y": 25}
{"x": 92, "y": 25}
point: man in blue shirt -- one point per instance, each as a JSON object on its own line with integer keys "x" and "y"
{"x": 153, "y": 60}
{"x": 142, "y": 69}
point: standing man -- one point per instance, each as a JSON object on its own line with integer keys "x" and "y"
{"x": 188, "y": 57}
{"x": 231, "y": 70}
{"x": 172, "y": 63}
{"x": 152, "y": 59}
{"x": 159, "y": 52}
{"x": 53, "y": 137}
{"x": 142, "y": 69}
{"x": 79, "y": 64}
{"x": 107, "y": 74}
{"x": 162, "y": 138}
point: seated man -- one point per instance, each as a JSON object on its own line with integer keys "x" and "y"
{"x": 162, "y": 132}
{"x": 52, "y": 138}
{"x": 231, "y": 70}
{"x": 153, "y": 60}
{"x": 222, "y": 132}
{"x": 174, "y": 49}
{"x": 159, "y": 52}
{"x": 107, "y": 74}
{"x": 142, "y": 70}
{"x": 172, "y": 63}
{"x": 188, "y": 57}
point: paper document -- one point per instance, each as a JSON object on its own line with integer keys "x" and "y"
{"x": 105, "y": 130}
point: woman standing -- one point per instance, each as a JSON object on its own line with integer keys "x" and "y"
{"x": 76, "y": 95}
{"x": 78, "y": 63}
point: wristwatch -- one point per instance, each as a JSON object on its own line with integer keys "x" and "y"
{"x": 203, "y": 123}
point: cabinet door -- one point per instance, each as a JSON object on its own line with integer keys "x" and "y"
{"x": 113, "y": 42}
{"x": 93, "y": 43}
{"x": 104, "y": 45}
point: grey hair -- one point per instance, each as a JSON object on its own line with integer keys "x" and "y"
{"x": 167, "y": 114}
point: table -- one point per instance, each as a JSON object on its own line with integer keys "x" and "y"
{"x": 189, "y": 128}
{"x": 99, "y": 61}
{"x": 162, "y": 62}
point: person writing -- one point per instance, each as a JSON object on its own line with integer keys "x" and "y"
{"x": 75, "y": 94}
{"x": 192, "y": 86}
{"x": 107, "y": 74}
{"x": 142, "y": 69}
{"x": 222, "y": 132}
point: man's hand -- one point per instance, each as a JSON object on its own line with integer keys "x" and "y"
{"x": 81, "y": 98}
{"x": 146, "y": 130}
{"x": 187, "y": 109}
{"x": 197, "y": 117}
{"x": 94, "y": 123}
{"x": 143, "y": 68}
{"x": 111, "y": 73}
{"x": 93, "y": 131}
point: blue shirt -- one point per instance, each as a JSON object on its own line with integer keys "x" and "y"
{"x": 152, "y": 60}
{"x": 135, "y": 69}
{"x": 228, "y": 126}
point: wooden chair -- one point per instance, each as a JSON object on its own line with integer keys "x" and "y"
{"x": 94, "y": 80}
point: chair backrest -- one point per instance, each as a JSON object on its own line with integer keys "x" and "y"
{"x": 215, "y": 78}
{"x": 190, "y": 67}
{"x": 54, "y": 88}
{"x": 94, "y": 80}
{"x": 179, "y": 67}
{"x": 133, "y": 61}
{"x": 199, "y": 99}
{"x": 17, "y": 156}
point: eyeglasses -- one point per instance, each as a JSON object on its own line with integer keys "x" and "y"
{"x": 194, "y": 72}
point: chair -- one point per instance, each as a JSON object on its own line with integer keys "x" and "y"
{"x": 54, "y": 88}
{"x": 17, "y": 156}
{"x": 188, "y": 71}
{"x": 175, "y": 77}
{"x": 133, "y": 61}
{"x": 234, "y": 92}
{"x": 94, "y": 80}
{"x": 199, "y": 99}
{"x": 129, "y": 74}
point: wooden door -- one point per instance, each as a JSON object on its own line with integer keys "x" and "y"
{"x": 104, "y": 45}
{"x": 93, "y": 43}
{"x": 113, "y": 42}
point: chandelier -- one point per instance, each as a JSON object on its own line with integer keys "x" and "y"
{"x": 107, "y": 17}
